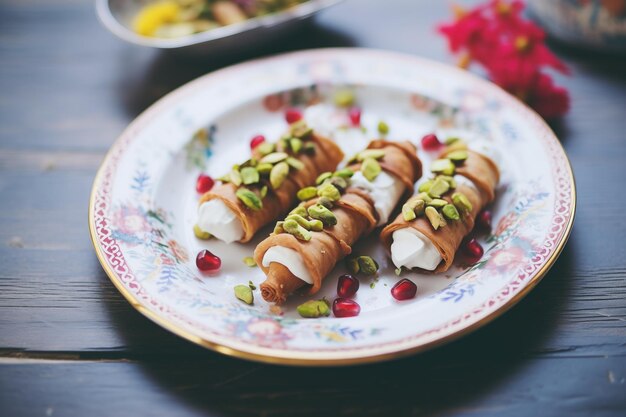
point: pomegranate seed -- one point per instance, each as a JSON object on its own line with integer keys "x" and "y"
{"x": 345, "y": 307}
{"x": 431, "y": 143}
{"x": 204, "y": 183}
{"x": 292, "y": 115}
{"x": 347, "y": 286}
{"x": 256, "y": 141}
{"x": 404, "y": 290}
{"x": 484, "y": 219}
{"x": 207, "y": 262}
{"x": 355, "y": 116}
{"x": 473, "y": 250}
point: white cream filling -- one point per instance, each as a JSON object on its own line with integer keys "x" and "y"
{"x": 220, "y": 221}
{"x": 411, "y": 249}
{"x": 290, "y": 259}
{"x": 385, "y": 191}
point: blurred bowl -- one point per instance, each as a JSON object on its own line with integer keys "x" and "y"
{"x": 117, "y": 16}
{"x": 597, "y": 24}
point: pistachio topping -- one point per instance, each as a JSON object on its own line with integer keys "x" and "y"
{"x": 344, "y": 173}
{"x": 450, "y": 180}
{"x": 235, "y": 177}
{"x": 408, "y": 213}
{"x": 443, "y": 166}
{"x": 383, "y": 127}
{"x": 249, "y": 175}
{"x": 300, "y": 129}
{"x": 425, "y": 186}
{"x": 306, "y": 193}
{"x": 457, "y": 157}
{"x": 450, "y": 212}
{"x": 300, "y": 220}
{"x": 316, "y": 225}
{"x": 313, "y": 309}
{"x": 451, "y": 140}
{"x": 370, "y": 168}
{"x": 274, "y": 158}
{"x": 344, "y": 98}
{"x": 424, "y": 196}
{"x": 295, "y": 144}
{"x": 353, "y": 265}
{"x": 249, "y": 260}
{"x": 293, "y": 228}
{"x": 201, "y": 234}
{"x": 263, "y": 191}
{"x": 435, "y": 219}
{"x": 438, "y": 188}
{"x": 340, "y": 183}
{"x": 295, "y": 163}
{"x": 323, "y": 177}
{"x": 461, "y": 202}
{"x": 278, "y": 174}
{"x": 437, "y": 203}
{"x": 309, "y": 148}
{"x": 417, "y": 205}
{"x": 278, "y": 229}
{"x": 265, "y": 148}
{"x": 367, "y": 265}
{"x": 329, "y": 191}
{"x": 326, "y": 202}
{"x": 370, "y": 153}
{"x": 249, "y": 198}
{"x": 319, "y": 212}
{"x": 299, "y": 210}
{"x": 264, "y": 168}
{"x": 244, "y": 293}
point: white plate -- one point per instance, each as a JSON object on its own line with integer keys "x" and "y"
{"x": 143, "y": 205}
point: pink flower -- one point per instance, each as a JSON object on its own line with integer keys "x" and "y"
{"x": 130, "y": 221}
{"x": 506, "y": 260}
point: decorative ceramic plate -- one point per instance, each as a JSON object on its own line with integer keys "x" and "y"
{"x": 143, "y": 205}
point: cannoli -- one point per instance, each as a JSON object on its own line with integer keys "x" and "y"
{"x": 264, "y": 187}
{"x": 343, "y": 207}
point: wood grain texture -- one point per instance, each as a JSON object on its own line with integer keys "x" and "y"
{"x": 71, "y": 345}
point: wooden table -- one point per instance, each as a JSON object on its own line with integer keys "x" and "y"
{"x": 70, "y": 345}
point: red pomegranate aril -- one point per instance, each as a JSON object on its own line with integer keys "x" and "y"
{"x": 345, "y": 307}
{"x": 430, "y": 142}
{"x": 404, "y": 290}
{"x": 347, "y": 286}
{"x": 204, "y": 183}
{"x": 473, "y": 250}
{"x": 292, "y": 115}
{"x": 256, "y": 141}
{"x": 355, "y": 116}
{"x": 207, "y": 262}
{"x": 484, "y": 220}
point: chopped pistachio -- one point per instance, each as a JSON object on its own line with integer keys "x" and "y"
{"x": 437, "y": 203}
{"x": 249, "y": 175}
{"x": 450, "y": 212}
{"x": 251, "y": 285}
{"x": 425, "y": 186}
{"x": 252, "y": 162}
{"x": 300, "y": 129}
{"x": 408, "y": 213}
{"x": 322, "y": 177}
{"x": 306, "y": 193}
{"x": 300, "y": 211}
{"x": 278, "y": 174}
{"x": 264, "y": 168}
{"x": 300, "y": 220}
{"x": 293, "y": 228}
{"x": 352, "y": 264}
{"x": 329, "y": 191}
{"x": 244, "y": 293}
{"x": 461, "y": 202}
{"x": 249, "y": 260}
{"x": 235, "y": 177}
{"x": 450, "y": 180}
{"x": 313, "y": 309}
{"x": 319, "y": 212}
{"x": 295, "y": 144}
{"x": 438, "y": 188}
{"x": 370, "y": 168}
{"x": 274, "y": 158}
{"x": 340, "y": 183}
{"x": 200, "y": 234}
{"x": 424, "y": 196}
{"x": 263, "y": 191}
{"x": 457, "y": 157}
{"x": 367, "y": 265}
{"x": 443, "y": 166}
{"x": 265, "y": 148}
{"x": 295, "y": 163}
{"x": 344, "y": 173}
{"x": 370, "y": 153}
{"x": 451, "y": 140}
{"x": 383, "y": 127}
{"x": 278, "y": 229}
{"x": 309, "y": 148}
{"x": 457, "y": 146}
{"x": 316, "y": 225}
{"x": 436, "y": 220}
{"x": 344, "y": 98}
{"x": 398, "y": 271}
{"x": 417, "y": 205}
{"x": 326, "y": 202}
{"x": 249, "y": 199}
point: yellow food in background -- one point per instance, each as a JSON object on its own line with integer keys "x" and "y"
{"x": 152, "y": 16}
